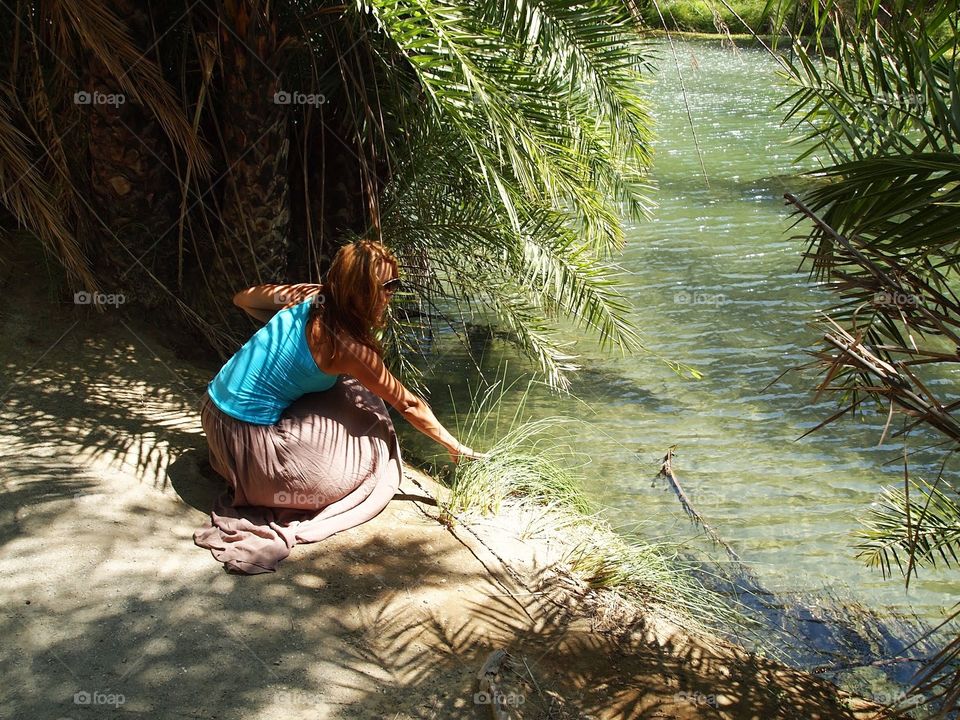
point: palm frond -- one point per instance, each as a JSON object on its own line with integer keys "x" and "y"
{"x": 522, "y": 120}
{"x": 885, "y": 106}
{"x": 433, "y": 212}
{"x": 25, "y": 192}
{"x": 925, "y": 526}
{"x": 885, "y": 90}
{"x": 101, "y": 32}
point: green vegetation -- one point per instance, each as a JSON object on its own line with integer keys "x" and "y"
{"x": 496, "y": 147}
{"x": 706, "y": 16}
{"x": 886, "y": 227}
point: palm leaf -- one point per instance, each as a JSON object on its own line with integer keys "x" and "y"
{"x": 885, "y": 236}
{"x": 106, "y": 37}
{"x": 25, "y": 192}
{"x": 924, "y": 528}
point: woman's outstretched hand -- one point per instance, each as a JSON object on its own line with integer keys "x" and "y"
{"x": 462, "y": 451}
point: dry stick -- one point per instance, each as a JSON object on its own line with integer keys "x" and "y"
{"x": 898, "y": 388}
{"x": 912, "y": 550}
{"x": 896, "y": 384}
{"x": 486, "y": 677}
{"x": 855, "y": 350}
{"x": 858, "y": 341}
{"x": 876, "y": 663}
{"x": 532, "y": 678}
{"x": 886, "y": 426}
{"x": 666, "y": 471}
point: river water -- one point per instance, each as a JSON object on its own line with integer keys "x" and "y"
{"x": 714, "y": 284}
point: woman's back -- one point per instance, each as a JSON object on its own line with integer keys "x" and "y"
{"x": 272, "y": 369}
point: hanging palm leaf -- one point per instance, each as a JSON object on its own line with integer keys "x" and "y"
{"x": 878, "y": 87}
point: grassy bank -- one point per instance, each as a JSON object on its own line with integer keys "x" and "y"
{"x": 530, "y": 487}
{"x": 739, "y": 39}
{"x": 706, "y": 16}
{"x": 532, "y": 468}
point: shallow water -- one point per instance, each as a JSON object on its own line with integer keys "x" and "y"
{"x": 714, "y": 282}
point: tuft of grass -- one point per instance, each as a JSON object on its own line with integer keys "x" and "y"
{"x": 526, "y": 462}
{"x": 651, "y": 573}
{"x": 531, "y": 466}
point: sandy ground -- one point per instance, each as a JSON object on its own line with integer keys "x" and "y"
{"x": 110, "y": 610}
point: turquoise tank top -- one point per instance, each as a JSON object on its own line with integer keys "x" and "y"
{"x": 271, "y": 370}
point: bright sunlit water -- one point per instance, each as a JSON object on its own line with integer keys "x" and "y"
{"x": 713, "y": 279}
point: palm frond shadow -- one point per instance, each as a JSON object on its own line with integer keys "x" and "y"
{"x": 114, "y": 413}
{"x": 221, "y": 643}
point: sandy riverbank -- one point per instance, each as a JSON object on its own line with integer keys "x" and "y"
{"x": 104, "y": 593}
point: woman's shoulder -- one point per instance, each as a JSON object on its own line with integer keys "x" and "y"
{"x": 335, "y": 352}
{"x": 351, "y": 353}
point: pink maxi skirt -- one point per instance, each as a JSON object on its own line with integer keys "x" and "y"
{"x": 331, "y": 462}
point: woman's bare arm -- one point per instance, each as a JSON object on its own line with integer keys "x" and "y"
{"x": 264, "y": 301}
{"x": 366, "y": 365}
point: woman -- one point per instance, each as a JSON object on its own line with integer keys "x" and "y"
{"x": 296, "y": 422}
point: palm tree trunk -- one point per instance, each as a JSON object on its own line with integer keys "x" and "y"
{"x": 132, "y": 179}
{"x": 337, "y": 195}
{"x": 255, "y": 213}
{"x": 332, "y": 204}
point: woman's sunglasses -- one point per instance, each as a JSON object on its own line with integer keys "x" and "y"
{"x": 393, "y": 285}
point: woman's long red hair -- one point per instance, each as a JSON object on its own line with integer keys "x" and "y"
{"x": 352, "y": 292}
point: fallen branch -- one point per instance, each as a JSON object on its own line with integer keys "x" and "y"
{"x": 666, "y": 471}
